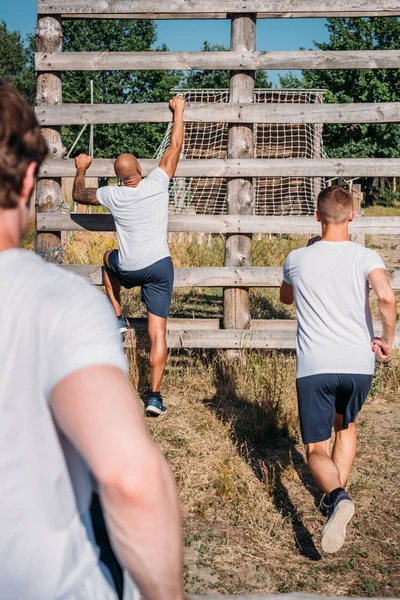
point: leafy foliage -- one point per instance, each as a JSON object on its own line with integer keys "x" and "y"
{"x": 381, "y": 85}
{"x": 16, "y": 61}
{"x": 217, "y": 78}
{"x": 116, "y": 87}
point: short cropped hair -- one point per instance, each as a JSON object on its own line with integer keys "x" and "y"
{"x": 334, "y": 204}
{"x": 21, "y": 143}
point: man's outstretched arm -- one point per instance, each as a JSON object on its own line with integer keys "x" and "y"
{"x": 80, "y": 193}
{"x": 382, "y": 346}
{"x": 97, "y": 410}
{"x": 170, "y": 158}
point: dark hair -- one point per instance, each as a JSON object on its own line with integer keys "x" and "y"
{"x": 334, "y": 204}
{"x": 21, "y": 143}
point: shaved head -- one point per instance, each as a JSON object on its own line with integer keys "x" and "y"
{"x": 127, "y": 167}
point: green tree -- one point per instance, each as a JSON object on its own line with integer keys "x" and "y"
{"x": 218, "y": 78}
{"x": 122, "y": 87}
{"x": 16, "y": 61}
{"x": 381, "y": 85}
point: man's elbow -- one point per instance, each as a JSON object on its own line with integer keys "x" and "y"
{"x": 133, "y": 483}
{"x": 287, "y": 301}
{"x": 387, "y": 298}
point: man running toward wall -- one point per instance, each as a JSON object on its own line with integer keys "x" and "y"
{"x": 140, "y": 210}
{"x": 329, "y": 282}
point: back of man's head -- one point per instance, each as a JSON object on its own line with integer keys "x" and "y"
{"x": 21, "y": 143}
{"x": 127, "y": 167}
{"x": 334, "y": 205}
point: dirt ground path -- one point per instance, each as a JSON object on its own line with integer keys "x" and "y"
{"x": 225, "y": 550}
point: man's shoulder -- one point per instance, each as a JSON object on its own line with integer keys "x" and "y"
{"x": 297, "y": 254}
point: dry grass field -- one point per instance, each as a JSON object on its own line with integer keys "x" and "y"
{"x": 250, "y": 509}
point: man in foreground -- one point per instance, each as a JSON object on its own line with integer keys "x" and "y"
{"x": 336, "y": 348}
{"x": 66, "y": 407}
{"x": 140, "y": 210}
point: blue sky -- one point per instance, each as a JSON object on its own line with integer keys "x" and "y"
{"x": 274, "y": 34}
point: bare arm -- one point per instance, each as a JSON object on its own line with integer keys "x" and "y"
{"x": 98, "y": 411}
{"x": 286, "y": 293}
{"x": 170, "y": 158}
{"x": 382, "y": 346}
{"x": 80, "y": 193}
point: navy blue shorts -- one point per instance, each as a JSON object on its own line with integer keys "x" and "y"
{"x": 156, "y": 281}
{"x": 320, "y": 396}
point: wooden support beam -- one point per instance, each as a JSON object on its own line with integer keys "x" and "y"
{"x": 191, "y": 61}
{"x": 49, "y": 93}
{"x": 200, "y": 277}
{"x": 221, "y": 224}
{"x": 260, "y": 277}
{"x": 291, "y": 167}
{"x": 265, "y": 334}
{"x": 239, "y": 112}
{"x": 210, "y": 9}
{"x": 240, "y": 191}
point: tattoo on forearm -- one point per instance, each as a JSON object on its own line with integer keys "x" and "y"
{"x": 81, "y": 193}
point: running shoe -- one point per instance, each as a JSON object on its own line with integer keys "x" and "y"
{"x": 122, "y": 328}
{"x": 155, "y": 406}
{"x": 334, "y": 532}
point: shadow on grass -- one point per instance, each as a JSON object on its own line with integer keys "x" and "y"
{"x": 267, "y": 447}
{"x": 265, "y": 306}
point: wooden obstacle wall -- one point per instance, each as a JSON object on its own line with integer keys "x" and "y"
{"x": 237, "y": 276}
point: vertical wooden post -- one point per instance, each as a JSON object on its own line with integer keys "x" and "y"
{"x": 49, "y": 91}
{"x": 240, "y": 193}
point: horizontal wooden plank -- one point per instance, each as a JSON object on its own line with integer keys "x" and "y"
{"x": 268, "y": 337}
{"x": 221, "y": 338}
{"x": 210, "y": 9}
{"x": 214, "y": 276}
{"x": 190, "y": 61}
{"x": 327, "y": 167}
{"x": 82, "y": 114}
{"x": 201, "y": 277}
{"x": 221, "y": 224}
{"x": 178, "y": 324}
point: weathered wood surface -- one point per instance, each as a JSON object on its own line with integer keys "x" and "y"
{"x": 157, "y": 9}
{"x": 240, "y": 191}
{"x": 178, "y": 324}
{"x": 191, "y": 61}
{"x": 221, "y": 224}
{"x": 213, "y": 276}
{"x": 201, "y": 277}
{"x": 49, "y": 93}
{"x": 265, "y": 337}
{"x": 291, "y": 167}
{"x": 239, "y": 112}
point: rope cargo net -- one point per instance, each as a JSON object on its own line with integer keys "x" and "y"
{"x": 272, "y": 195}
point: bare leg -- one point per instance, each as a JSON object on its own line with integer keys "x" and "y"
{"x": 113, "y": 287}
{"x": 344, "y": 449}
{"x": 158, "y": 350}
{"x": 322, "y": 467}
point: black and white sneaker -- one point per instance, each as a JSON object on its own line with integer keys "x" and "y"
{"x": 334, "y": 532}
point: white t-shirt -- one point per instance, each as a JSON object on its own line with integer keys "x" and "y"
{"x": 330, "y": 286}
{"x": 141, "y": 220}
{"x": 52, "y": 324}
